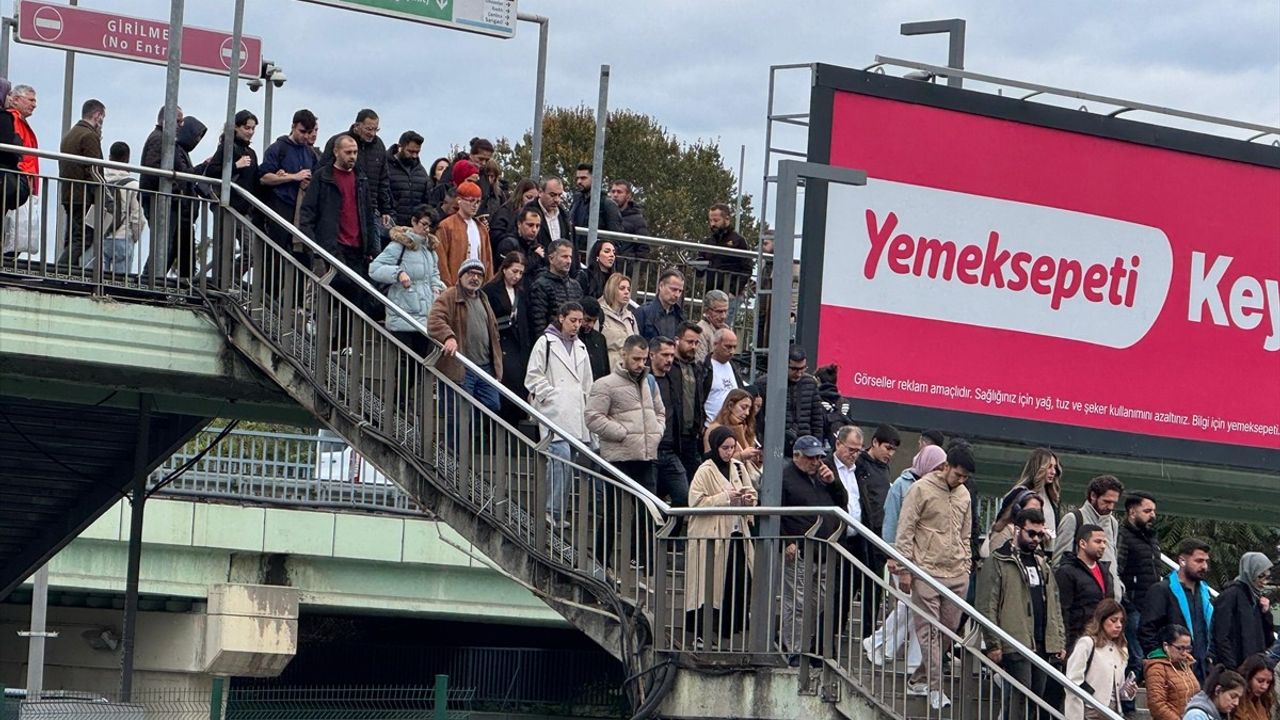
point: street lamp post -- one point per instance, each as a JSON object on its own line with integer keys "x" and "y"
{"x": 954, "y": 27}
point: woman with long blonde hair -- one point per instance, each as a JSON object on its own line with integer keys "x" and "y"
{"x": 1042, "y": 474}
{"x": 617, "y": 322}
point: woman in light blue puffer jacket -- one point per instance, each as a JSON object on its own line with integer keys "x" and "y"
{"x": 411, "y": 269}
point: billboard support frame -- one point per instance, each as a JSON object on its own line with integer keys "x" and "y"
{"x": 830, "y": 79}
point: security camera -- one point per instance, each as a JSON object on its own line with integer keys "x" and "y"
{"x": 255, "y": 84}
{"x": 277, "y": 77}
{"x": 920, "y": 75}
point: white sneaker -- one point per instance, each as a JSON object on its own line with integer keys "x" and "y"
{"x": 918, "y": 689}
{"x": 874, "y": 657}
{"x": 938, "y": 700}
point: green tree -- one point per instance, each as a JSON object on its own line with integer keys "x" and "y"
{"x": 674, "y": 181}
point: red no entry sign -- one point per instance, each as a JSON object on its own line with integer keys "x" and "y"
{"x": 131, "y": 38}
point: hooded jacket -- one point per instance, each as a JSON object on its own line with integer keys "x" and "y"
{"x": 1240, "y": 626}
{"x": 246, "y": 177}
{"x": 627, "y": 414}
{"x": 933, "y": 529}
{"x": 289, "y": 156}
{"x": 558, "y": 380}
{"x": 407, "y": 181}
{"x": 407, "y": 252}
{"x": 1201, "y": 707}
{"x": 1169, "y": 686}
{"x": 1004, "y": 597}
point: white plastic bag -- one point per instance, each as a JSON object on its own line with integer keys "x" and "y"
{"x": 22, "y": 229}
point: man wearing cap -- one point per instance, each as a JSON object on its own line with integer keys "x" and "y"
{"x": 462, "y": 237}
{"x": 463, "y": 322}
{"x": 806, "y": 482}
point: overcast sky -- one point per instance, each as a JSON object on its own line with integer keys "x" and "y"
{"x": 700, "y": 68}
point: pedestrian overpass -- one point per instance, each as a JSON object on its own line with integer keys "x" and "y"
{"x": 103, "y": 376}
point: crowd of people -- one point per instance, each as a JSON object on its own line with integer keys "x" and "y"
{"x": 498, "y": 274}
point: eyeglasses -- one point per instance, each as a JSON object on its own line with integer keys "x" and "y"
{"x": 1181, "y": 648}
{"x": 1036, "y": 534}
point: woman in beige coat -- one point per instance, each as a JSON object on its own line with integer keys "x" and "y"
{"x": 618, "y": 323}
{"x": 1099, "y": 659}
{"x": 717, "y": 568}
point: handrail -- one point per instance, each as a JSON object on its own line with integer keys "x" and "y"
{"x": 128, "y": 167}
{"x": 679, "y": 244}
{"x": 1078, "y": 95}
{"x": 655, "y": 504}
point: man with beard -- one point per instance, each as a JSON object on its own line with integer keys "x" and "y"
{"x": 525, "y": 240}
{"x": 372, "y": 159}
{"x": 1020, "y": 594}
{"x": 1138, "y": 565}
{"x": 691, "y": 416}
{"x": 408, "y": 181}
{"x": 1183, "y": 592}
{"x": 1101, "y": 498}
{"x": 1084, "y": 579}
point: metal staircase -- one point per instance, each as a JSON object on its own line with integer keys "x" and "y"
{"x": 622, "y": 567}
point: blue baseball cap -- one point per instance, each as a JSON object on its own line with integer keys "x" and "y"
{"x": 809, "y": 446}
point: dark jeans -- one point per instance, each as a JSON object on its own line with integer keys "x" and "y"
{"x": 1136, "y": 654}
{"x": 1016, "y": 704}
{"x": 642, "y": 471}
{"x": 672, "y": 480}
{"x": 79, "y": 237}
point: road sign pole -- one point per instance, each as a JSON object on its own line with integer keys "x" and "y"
{"x": 539, "y": 94}
{"x": 267, "y": 100}
{"x": 233, "y": 78}
{"x": 68, "y": 84}
{"x": 7, "y": 25}
{"x": 169, "y": 135}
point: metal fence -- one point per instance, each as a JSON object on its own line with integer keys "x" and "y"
{"x": 284, "y": 469}
{"x": 350, "y": 703}
{"x": 155, "y": 704}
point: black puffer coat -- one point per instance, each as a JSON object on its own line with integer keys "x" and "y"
{"x": 1138, "y": 564}
{"x": 1080, "y": 594}
{"x": 805, "y": 414}
{"x": 547, "y": 294}
{"x": 408, "y": 181}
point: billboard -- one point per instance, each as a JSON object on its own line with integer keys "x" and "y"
{"x": 1019, "y": 271}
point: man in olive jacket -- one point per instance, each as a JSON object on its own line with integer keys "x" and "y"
{"x": 1018, "y": 591}
{"x": 79, "y": 189}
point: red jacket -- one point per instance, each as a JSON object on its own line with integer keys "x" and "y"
{"x": 29, "y": 164}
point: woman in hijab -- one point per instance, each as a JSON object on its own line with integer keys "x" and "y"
{"x": 1242, "y": 622}
{"x": 719, "y": 548}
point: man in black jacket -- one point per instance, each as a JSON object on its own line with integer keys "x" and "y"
{"x": 726, "y": 272}
{"x": 633, "y": 221}
{"x": 672, "y": 479}
{"x": 806, "y": 482}
{"x": 1165, "y": 603}
{"x": 805, "y": 415}
{"x": 554, "y": 287}
{"x": 1138, "y": 565}
{"x": 338, "y": 214}
{"x": 407, "y": 179}
{"x": 580, "y": 214}
{"x": 872, "y": 473}
{"x": 692, "y": 376}
{"x": 372, "y": 161}
{"x": 1084, "y": 579}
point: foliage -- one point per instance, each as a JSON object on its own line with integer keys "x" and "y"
{"x": 1228, "y": 540}
{"x": 675, "y": 182}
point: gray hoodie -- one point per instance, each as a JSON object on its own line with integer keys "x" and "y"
{"x": 1200, "y": 707}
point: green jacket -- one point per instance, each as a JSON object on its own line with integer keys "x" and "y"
{"x": 1004, "y": 597}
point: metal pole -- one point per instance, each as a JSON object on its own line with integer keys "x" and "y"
{"x": 954, "y": 28}
{"x": 266, "y": 111}
{"x": 7, "y": 24}
{"x": 775, "y": 413}
{"x": 158, "y": 264}
{"x": 535, "y": 165}
{"x": 597, "y": 158}
{"x": 737, "y": 215}
{"x": 216, "y": 694}
{"x": 38, "y": 634}
{"x": 141, "y": 454}
{"x": 68, "y": 84}
{"x": 229, "y": 133}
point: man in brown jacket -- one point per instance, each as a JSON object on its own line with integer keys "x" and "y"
{"x": 462, "y": 321}
{"x": 464, "y": 236}
{"x": 933, "y": 534}
{"x": 78, "y": 190}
